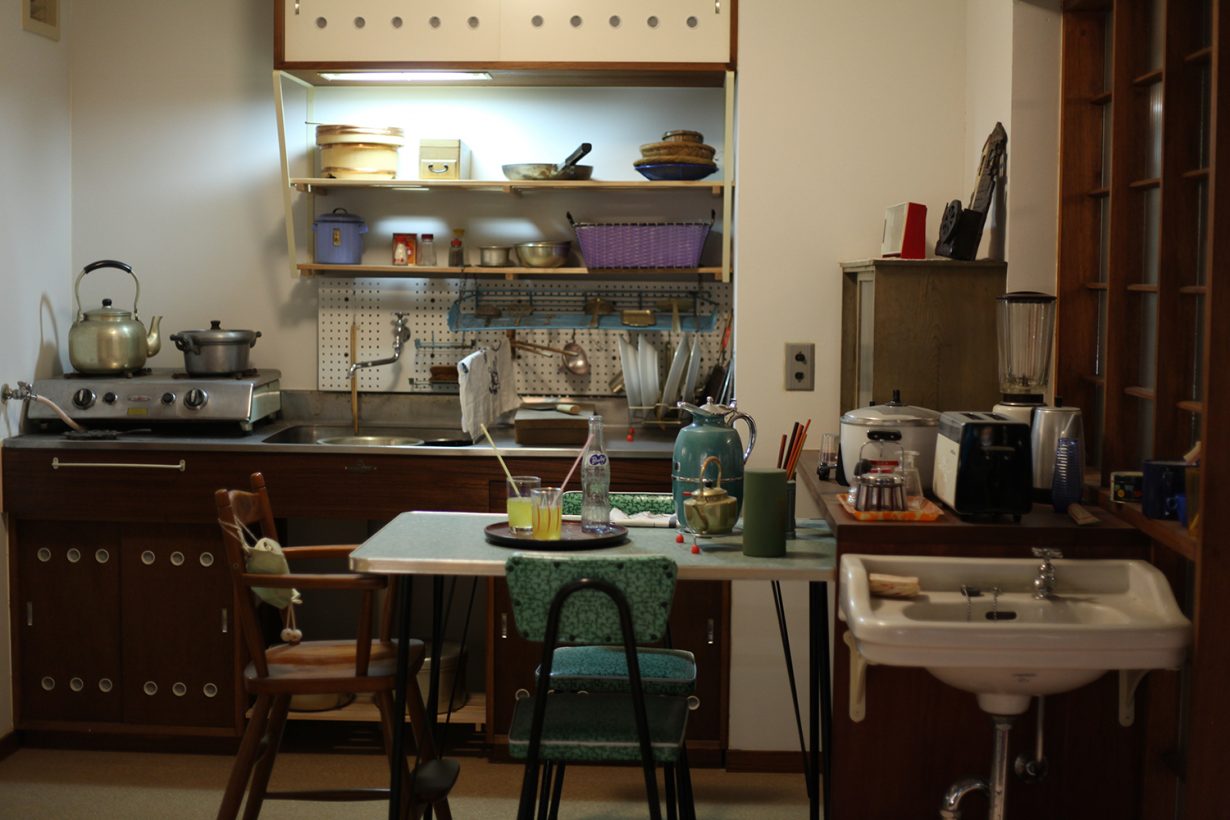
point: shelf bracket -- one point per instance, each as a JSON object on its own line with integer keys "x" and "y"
{"x": 858, "y": 680}
{"x": 1129, "y": 680}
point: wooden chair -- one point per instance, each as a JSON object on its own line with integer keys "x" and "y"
{"x": 595, "y": 600}
{"x": 276, "y": 673}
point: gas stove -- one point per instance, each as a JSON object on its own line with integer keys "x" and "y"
{"x": 161, "y": 396}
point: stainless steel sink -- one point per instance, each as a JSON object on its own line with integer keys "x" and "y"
{"x": 373, "y": 436}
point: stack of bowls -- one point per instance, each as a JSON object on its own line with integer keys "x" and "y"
{"x": 680, "y": 155}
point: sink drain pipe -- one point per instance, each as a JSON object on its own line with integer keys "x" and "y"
{"x": 950, "y": 808}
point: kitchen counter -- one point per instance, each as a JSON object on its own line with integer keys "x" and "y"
{"x": 647, "y": 443}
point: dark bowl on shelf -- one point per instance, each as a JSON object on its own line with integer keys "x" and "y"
{"x": 676, "y": 171}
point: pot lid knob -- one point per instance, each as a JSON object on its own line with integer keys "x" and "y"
{"x": 215, "y": 324}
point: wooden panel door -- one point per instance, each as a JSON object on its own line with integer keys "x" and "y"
{"x": 177, "y": 627}
{"x": 390, "y": 31}
{"x": 66, "y": 612}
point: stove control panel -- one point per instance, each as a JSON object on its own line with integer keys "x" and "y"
{"x": 161, "y": 396}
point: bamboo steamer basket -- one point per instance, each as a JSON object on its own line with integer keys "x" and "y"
{"x": 358, "y": 152}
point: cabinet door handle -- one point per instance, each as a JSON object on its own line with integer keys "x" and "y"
{"x": 181, "y": 466}
{"x": 225, "y": 621}
{"x": 29, "y": 613}
{"x": 710, "y": 632}
{"x": 503, "y": 624}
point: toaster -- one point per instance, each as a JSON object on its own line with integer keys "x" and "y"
{"x": 982, "y": 464}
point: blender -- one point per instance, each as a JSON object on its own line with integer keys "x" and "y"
{"x": 1026, "y": 325}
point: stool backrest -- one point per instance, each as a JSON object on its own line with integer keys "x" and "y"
{"x": 589, "y": 616}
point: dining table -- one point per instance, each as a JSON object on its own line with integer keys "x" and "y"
{"x": 455, "y": 544}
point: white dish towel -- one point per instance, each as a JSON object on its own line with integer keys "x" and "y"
{"x": 486, "y": 381}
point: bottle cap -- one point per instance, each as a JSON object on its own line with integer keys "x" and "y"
{"x": 429, "y": 236}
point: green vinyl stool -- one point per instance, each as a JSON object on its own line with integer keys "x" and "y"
{"x": 585, "y": 601}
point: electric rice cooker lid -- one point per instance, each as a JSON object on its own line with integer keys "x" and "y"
{"x": 339, "y": 215}
{"x": 892, "y": 414}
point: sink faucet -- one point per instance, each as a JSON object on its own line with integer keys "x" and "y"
{"x": 1044, "y": 584}
{"x": 401, "y": 335}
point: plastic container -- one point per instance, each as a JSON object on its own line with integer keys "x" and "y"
{"x": 339, "y": 237}
{"x": 452, "y": 669}
{"x": 427, "y": 250}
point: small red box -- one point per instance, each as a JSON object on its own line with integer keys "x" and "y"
{"x": 404, "y": 247}
{"x": 905, "y": 231}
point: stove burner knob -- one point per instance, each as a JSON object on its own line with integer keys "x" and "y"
{"x": 195, "y": 399}
{"x": 109, "y": 397}
{"x": 168, "y": 398}
{"x": 84, "y": 398}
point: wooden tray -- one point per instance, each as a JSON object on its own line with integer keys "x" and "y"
{"x": 571, "y": 538}
{"x": 929, "y": 512}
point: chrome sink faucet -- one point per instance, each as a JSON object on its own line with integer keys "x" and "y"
{"x": 1044, "y": 584}
{"x": 401, "y": 335}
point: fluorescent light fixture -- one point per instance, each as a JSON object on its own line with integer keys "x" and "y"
{"x": 406, "y": 76}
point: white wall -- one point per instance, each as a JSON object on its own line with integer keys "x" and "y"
{"x": 35, "y": 231}
{"x": 844, "y": 109}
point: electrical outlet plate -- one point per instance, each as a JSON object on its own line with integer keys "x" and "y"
{"x": 800, "y": 366}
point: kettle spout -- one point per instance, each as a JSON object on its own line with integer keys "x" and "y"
{"x": 153, "y": 341}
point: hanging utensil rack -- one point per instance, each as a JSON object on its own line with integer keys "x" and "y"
{"x": 523, "y": 307}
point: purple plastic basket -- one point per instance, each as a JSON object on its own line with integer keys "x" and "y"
{"x": 641, "y": 244}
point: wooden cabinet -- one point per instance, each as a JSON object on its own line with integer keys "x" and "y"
{"x": 928, "y": 735}
{"x": 121, "y": 604}
{"x": 124, "y": 624}
{"x": 427, "y": 33}
{"x": 925, "y": 327}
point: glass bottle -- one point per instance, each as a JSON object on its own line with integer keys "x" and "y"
{"x": 427, "y": 250}
{"x": 456, "y": 254}
{"x": 914, "y": 498}
{"x": 1067, "y": 481}
{"x": 595, "y": 482}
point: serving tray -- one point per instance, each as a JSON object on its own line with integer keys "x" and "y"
{"x": 929, "y": 512}
{"x": 571, "y": 538}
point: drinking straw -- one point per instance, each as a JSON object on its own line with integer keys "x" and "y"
{"x": 781, "y": 453}
{"x": 794, "y": 437}
{"x": 500, "y": 459}
{"x": 584, "y": 447}
{"x": 798, "y": 451}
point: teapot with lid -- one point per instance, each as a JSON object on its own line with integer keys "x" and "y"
{"x": 711, "y": 434}
{"x": 108, "y": 340}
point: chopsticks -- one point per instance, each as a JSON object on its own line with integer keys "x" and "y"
{"x": 788, "y": 451}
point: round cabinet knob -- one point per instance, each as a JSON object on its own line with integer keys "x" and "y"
{"x": 76, "y": 684}
{"x": 84, "y": 398}
{"x": 179, "y": 689}
{"x": 177, "y": 559}
{"x": 196, "y": 398}
{"x": 102, "y": 556}
{"x": 73, "y": 555}
{"x": 150, "y": 688}
{"x": 168, "y": 398}
{"x": 105, "y": 685}
{"x": 206, "y": 559}
{"x": 48, "y": 683}
{"x": 43, "y": 554}
{"x": 109, "y": 397}
{"x": 148, "y": 557}
{"x": 209, "y": 690}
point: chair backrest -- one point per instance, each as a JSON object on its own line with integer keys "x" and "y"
{"x": 251, "y": 510}
{"x": 589, "y": 616}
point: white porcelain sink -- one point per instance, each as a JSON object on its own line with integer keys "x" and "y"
{"x": 1104, "y": 615}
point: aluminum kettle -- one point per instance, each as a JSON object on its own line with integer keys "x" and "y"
{"x": 711, "y": 434}
{"x": 1049, "y": 425}
{"x": 108, "y": 340}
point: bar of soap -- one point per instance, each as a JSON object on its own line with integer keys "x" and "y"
{"x": 893, "y": 586}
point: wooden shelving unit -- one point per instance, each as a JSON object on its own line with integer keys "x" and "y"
{"x": 427, "y": 272}
{"x": 1143, "y": 266}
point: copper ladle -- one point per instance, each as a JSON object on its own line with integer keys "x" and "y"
{"x": 575, "y": 359}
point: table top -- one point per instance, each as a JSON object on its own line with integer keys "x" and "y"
{"x": 453, "y": 543}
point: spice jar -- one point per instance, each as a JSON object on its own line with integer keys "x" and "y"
{"x": 427, "y": 250}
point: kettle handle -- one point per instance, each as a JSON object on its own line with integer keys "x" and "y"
{"x": 751, "y": 430}
{"x": 104, "y": 263}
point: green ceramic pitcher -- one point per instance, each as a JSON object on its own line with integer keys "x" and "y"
{"x": 711, "y": 433}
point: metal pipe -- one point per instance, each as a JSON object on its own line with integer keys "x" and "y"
{"x": 401, "y": 335}
{"x": 999, "y": 767}
{"x": 950, "y": 807}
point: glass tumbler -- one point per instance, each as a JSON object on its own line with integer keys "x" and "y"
{"x": 520, "y": 513}
{"x": 914, "y": 498}
{"x": 547, "y": 513}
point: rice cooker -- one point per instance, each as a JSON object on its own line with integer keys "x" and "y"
{"x": 888, "y": 425}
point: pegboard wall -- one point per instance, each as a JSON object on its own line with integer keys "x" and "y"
{"x": 370, "y": 304}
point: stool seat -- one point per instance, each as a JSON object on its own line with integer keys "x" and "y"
{"x": 599, "y": 727}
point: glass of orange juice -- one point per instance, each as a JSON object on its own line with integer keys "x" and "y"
{"x": 547, "y": 513}
{"x": 520, "y": 504}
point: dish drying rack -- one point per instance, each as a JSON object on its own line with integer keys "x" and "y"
{"x": 482, "y": 308}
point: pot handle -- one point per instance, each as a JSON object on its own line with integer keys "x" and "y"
{"x": 256, "y": 336}
{"x": 187, "y": 344}
{"x": 751, "y": 430}
{"x": 104, "y": 263}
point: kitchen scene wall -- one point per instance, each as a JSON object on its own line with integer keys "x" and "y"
{"x": 845, "y": 109}
{"x": 35, "y": 230}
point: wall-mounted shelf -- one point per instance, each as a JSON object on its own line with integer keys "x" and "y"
{"x": 436, "y": 272}
{"x": 318, "y": 185}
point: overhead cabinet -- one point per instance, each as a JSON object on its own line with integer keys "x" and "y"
{"x": 400, "y": 33}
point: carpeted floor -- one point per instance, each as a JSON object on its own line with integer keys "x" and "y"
{"x": 46, "y": 784}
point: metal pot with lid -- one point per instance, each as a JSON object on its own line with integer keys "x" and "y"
{"x": 108, "y": 340}
{"x": 215, "y": 352}
{"x": 890, "y": 423}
